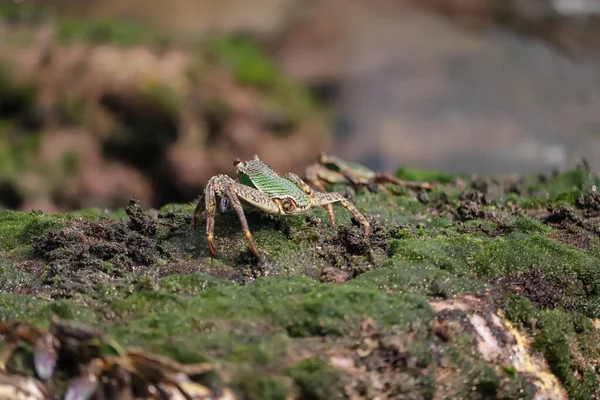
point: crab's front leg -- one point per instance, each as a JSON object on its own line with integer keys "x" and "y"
{"x": 308, "y": 190}
{"x": 220, "y": 184}
{"x": 224, "y": 186}
{"x": 321, "y": 199}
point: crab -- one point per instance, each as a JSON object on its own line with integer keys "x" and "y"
{"x": 332, "y": 169}
{"x": 260, "y": 187}
{"x": 103, "y": 368}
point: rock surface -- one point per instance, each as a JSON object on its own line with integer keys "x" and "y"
{"x": 498, "y": 302}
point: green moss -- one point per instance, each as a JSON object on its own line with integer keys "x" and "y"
{"x": 191, "y": 284}
{"x": 255, "y": 329}
{"x": 566, "y": 186}
{"x": 178, "y": 209}
{"x": 481, "y": 379}
{"x": 520, "y": 311}
{"x": 391, "y": 210}
{"x": 18, "y": 228}
{"x": 244, "y": 327}
{"x": 428, "y": 280}
{"x": 517, "y": 253}
{"x": 316, "y": 380}
{"x": 88, "y": 213}
{"x": 255, "y": 385}
{"x": 529, "y": 225}
{"x": 38, "y": 311}
{"x": 11, "y": 278}
{"x": 424, "y": 175}
{"x": 553, "y": 341}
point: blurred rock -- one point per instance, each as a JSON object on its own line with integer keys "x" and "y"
{"x": 142, "y": 120}
{"x": 453, "y": 85}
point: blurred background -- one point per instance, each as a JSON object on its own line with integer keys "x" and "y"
{"x": 103, "y": 99}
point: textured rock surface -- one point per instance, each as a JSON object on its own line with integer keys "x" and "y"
{"x": 482, "y": 288}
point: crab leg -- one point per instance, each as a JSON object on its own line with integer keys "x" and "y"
{"x": 237, "y": 206}
{"x": 328, "y": 198}
{"x": 389, "y": 178}
{"x": 302, "y": 185}
{"x": 224, "y": 186}
{"x": 312, "y": 176}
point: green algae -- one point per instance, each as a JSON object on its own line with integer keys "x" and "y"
{"x": 37, "y": 311}
{"x": 512, "y": 255}
{"x": 481, "y": 379}
{"x": 192, "y": 284}
{"x": 428, "y": 280}
{"x": 255, "y": 385}
{"x": 520, "y": 310}
{"x": 557, "y": 331}
{"x": 255, "y": 329}
{"x": 300, "y": 306}
{"x": 424, "y": 175}
{"x": 564, "y": 185}
{"x": 18, "y": 229}
{"x": 316, "y": 380}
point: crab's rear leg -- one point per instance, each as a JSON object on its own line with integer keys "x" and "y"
{"x": 210, "y": 205}
{"x": 323, "y": 199}
{"x": 308, "y": 190}
{"x": 312, "y": 176}
{"x": 389, "y": 178}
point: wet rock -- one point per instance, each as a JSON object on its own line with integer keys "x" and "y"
{"x": 92, "y": 251}
{"x": 496, "y": 340}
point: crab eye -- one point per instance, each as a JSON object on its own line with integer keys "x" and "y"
{"x": 288, "y": 205}
{"x": 236, "y": 161}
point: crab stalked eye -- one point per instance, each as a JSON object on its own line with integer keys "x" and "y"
{"x": 288, "y": 205}
{"x": 236, "y": 161}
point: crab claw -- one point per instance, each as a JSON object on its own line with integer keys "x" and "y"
{"x": 85, "y": 385}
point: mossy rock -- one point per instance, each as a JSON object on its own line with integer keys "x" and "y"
{"x": 325, "y": 313}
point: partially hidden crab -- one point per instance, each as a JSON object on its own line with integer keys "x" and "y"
{"x": 102, "y": 368}
{"x": 332, "y": 169}
{"x": 259, "y": 186}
